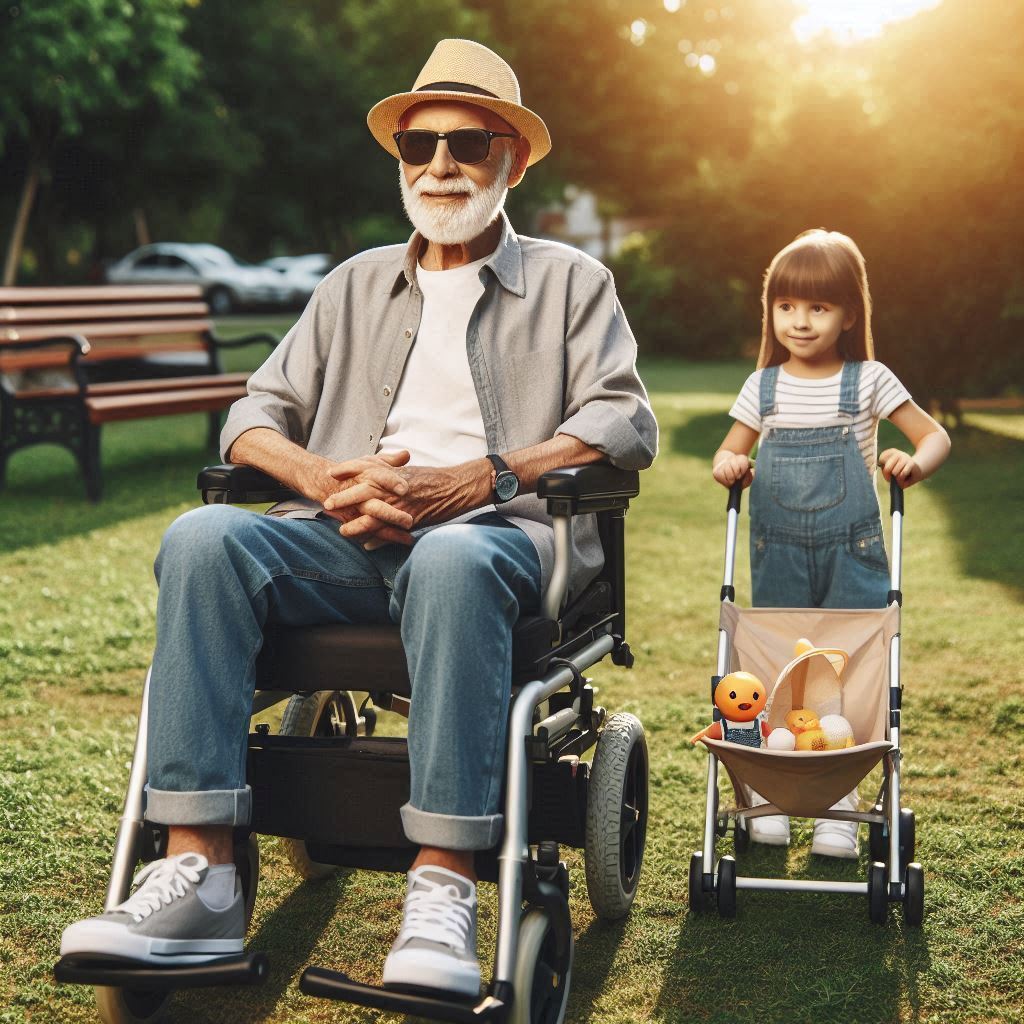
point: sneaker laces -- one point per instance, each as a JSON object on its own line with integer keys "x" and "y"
{"x": 437, "y": 913}
{"x": 160, "y": 883}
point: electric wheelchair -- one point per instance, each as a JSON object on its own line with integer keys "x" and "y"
{"x": 303, "y": 777}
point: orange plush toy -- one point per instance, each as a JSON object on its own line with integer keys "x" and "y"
{"x": 740, "y": 697}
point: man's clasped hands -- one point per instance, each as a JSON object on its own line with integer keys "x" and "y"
{"x": 380, "y": 499}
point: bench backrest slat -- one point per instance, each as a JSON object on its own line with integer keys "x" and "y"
{"x": 11, "y": 315}
{"x": 123, "y": 329}
{"x": 101, "y": 293}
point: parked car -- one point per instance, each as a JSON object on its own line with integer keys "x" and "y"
{"x": 228, "y": 283}
{"x": 301, "y": 273}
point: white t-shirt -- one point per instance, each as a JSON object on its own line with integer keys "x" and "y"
{"x": 436, "y": 414}
{"x": 802, "y": 402}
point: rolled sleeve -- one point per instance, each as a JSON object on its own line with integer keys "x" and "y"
{"x": 284, "y": 393}
{"x": 606, "y": 403}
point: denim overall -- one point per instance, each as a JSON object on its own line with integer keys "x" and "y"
{"x": 746, "y": 734}
{"x": 815, "y": 525}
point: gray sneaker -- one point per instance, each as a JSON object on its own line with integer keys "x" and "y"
{"x": 436, "y": 947}
{"x": 165, "y": 920}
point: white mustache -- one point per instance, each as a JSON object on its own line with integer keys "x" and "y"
{"x": 444, "y": 186}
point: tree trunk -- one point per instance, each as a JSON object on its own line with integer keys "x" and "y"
{"x": 141, "y": 226}
{"x": 17, "y": 239}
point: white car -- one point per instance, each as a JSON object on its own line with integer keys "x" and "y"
{"x": 227, "y": 283}
{"x": 301, "y": 273}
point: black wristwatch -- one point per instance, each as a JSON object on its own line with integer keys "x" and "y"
{"x": 506, "y": 483}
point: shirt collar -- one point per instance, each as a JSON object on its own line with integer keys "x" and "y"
{"x": 506, "y": 262}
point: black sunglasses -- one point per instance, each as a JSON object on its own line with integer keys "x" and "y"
{"x": 466, "y": 145}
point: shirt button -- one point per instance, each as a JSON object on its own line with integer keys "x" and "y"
{"x": 371, "y": 437}
{"x": 408, "y": 332}
{"x": 387, "y": 391}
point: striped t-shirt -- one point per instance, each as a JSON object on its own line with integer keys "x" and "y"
{"x": 802, "y": 402}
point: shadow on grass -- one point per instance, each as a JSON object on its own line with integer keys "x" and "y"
{"x": 794, "y": 957}
{"x": 979, "y": 489}
{"x": 287, "y": 936}
{"x": 44, "y": 501}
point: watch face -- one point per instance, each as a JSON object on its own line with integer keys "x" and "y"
{"x": 506, "y": 485}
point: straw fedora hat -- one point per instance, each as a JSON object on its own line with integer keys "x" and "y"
{"x": 467, "y": 72}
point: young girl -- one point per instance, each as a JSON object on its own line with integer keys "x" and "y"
{"x": 814, "y": 402}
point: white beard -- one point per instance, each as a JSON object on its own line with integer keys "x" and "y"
{"x": 460, "y": 222}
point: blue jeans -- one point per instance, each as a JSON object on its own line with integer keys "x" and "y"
{"x": 225, "y": 573}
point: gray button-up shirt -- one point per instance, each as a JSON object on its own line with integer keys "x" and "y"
{"x": 549, "y": 350}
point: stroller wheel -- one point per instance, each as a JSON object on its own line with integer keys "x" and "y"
{"x": 878, "y": 840}
{"x": 907, "y": 837}
{"x": 727, "y": 887}
{"x": 741, "y": 836}
{"x": 913, "y": 895}
{"x": 878, "y": 893}
{"x": 698, "y": 898}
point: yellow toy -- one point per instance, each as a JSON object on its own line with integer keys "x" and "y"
{"x": 804, "y": 724}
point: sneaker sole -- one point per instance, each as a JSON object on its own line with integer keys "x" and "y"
{"x": 103, "y": 937}
{"x": 770, "y": 840}
{"x": 424, "y": 969}
{"x": 827, "y": 850}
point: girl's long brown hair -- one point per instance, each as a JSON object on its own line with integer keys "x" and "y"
{"x": 822, "y": 266}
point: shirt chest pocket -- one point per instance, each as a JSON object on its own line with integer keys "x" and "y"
{"x": 810, "y": 483}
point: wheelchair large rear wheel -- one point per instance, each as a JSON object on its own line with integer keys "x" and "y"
{"x": 324, "y": 713}
{"x": 616, "y": 817}
{"x": 542, "y": 978}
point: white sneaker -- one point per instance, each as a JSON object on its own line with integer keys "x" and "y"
{"x": 838, "y": 838}
{"x": 771, "y": 830}
{"x": 436, "y": 947}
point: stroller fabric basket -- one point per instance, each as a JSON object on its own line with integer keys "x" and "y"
{"x": 807, "y": 783}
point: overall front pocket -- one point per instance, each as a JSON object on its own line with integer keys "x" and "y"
{"x": 809, "y": 483}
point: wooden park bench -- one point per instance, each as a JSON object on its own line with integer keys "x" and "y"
{"x": 72, "y": 359}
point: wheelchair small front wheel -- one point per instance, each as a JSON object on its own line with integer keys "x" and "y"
{"x": 324, "y": 713}
{"x": 616, "y": 817}
{"x": 128, "y": 1006}
{"x": 541, "y": 977}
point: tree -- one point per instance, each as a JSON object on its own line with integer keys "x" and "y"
{"x": 68, "y": 60}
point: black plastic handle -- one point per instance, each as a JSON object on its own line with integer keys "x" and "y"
{"x": 895, "y": 497}
{"x": 735, "y": 497}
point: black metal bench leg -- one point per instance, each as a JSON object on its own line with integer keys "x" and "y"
{"x": 89, "y": 457}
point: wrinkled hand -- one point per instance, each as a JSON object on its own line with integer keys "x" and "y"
{"x": 728, "y": 469}
{"x": 900, "y": 465}
{"x": 372, "y": 483}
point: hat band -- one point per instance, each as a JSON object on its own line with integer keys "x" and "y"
{"x": 457, "y": 87}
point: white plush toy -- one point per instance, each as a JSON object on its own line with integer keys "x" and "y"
{"x": 838, "y": 732}
{"x": 781, "y": 739}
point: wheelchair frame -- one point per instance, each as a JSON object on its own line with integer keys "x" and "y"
{"x": 572, "y": 726}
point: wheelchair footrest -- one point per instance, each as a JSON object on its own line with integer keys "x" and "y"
{"x": 122, "y": 972}
{"x": 317, "y": 981}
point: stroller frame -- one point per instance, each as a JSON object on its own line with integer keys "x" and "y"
{"x": 893, "y": 876}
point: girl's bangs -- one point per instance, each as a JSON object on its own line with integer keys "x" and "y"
{"x": 812, "y": 273}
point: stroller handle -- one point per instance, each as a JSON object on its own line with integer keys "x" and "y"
{"x": 735, "y": 503}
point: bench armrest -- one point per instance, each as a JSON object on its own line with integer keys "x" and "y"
{"x": 240, "y": 485}
{"x": 76, "y": 345}
{"x": 598, "y": 487}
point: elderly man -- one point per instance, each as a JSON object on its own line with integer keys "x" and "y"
{"x": 416, "y": 402}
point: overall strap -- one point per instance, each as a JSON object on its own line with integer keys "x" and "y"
{"x": 849, "y": 390}
{"x": 769, "y": 378}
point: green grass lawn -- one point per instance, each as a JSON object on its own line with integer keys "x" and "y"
{"x": 77, "y": 599}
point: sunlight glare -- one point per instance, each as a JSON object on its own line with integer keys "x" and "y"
{"x": 850, "y": 21}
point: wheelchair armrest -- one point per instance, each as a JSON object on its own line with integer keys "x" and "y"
{"x": 598, "y": 487}
{"x": 241, "y": 485}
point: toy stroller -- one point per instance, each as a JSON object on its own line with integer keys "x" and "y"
{"x": 807, "y": 783}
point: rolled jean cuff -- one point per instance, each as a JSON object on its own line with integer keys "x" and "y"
{"x": 450, "y": 831}
{"x": 207, "y": 807}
